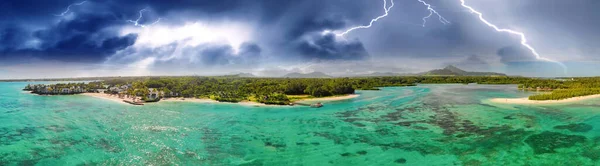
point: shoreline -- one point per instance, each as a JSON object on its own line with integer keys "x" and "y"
{"x": 196, "y": 100}
{"x": 331, "y": 98}
{"x": 107, "y": 97}
{"x": 526, "y": 100}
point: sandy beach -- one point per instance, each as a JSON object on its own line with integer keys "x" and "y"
{"x": 333, "y": 98}
{"x": 527, "y": 101}
{"x": 181, "y": 99}
{"x": 107, "y": 97}
{"x": 196, "y": 100}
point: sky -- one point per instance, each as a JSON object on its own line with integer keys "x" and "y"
{"x": 65, "y": 38}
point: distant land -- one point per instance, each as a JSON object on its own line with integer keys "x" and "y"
{"x": 245, "y": 75}
{"x": 307, "y": 75}
{"x": 447, "y": 71}
{"x": 455, "y": 71}
{"x": 381, "y": 74}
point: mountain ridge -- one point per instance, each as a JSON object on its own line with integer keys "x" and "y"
{"x": 455, "y": 71}
{"x": 307, "y": 75}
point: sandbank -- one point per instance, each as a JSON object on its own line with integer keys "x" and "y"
{"x": 527, "y": 101}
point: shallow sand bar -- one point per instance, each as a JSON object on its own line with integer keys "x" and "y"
{"x": 527, "y": 101}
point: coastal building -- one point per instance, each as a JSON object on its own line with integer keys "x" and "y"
{"x": 116, "y": 90}
{"x": 124, "y": 87}
{"x": 154, "y": 94}
{"x": 65, "y": 90}
{"x": 54, "y": 89}
{"x": 101, "y": 90}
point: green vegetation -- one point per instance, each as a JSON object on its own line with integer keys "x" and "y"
{"x": 284, "y": 90}
{"x": 562, "y": 88}
{"x": 565, "y": 94}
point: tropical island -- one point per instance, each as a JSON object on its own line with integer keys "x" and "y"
{"x": 290, "y": 90}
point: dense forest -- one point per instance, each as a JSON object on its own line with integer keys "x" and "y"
{"x": 565, "y": 94}
{"x": 237, "y": 89}
{"x": 562, "y": 88}
{"x": 278, "y": 90}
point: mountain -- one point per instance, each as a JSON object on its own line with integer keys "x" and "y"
{"x": 455, "y": 71}
{"x": 379, "y": 74}
{"x": 307, "y": 75}
{"x": 245, "y": 75}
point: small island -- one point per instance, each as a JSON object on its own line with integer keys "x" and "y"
{"x": 249, "y": 91}
{"x": 556, "y": 91}
{"x": 297, "y": 91}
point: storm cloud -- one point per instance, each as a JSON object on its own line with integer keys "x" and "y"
{"x": 240, "y": 35}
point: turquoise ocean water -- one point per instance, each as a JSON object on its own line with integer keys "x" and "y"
{"x": 422, "y": 125}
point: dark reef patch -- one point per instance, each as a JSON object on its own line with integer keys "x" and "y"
{"x": 362, "y": 152}
{"x": 8, "y": 136}
{"x": 487, "y": 105}
{"x": 328, "y": 125}
{"x": 346, "y": 154}
{"x": 275, "y": 144}
{"x": 579, "y": 127}
{"x": 510, "y": 117}
{"x": 547, "y": 141}
{"x": 108, "y": 146}
{"x": 400, "y": 161}
{"x": 593, "y": 153}
{"x": 397, "y": 115}
{"x": 359, "y": 124}
{"x": 56, "y": 128}
{"x": 335, "y": 138}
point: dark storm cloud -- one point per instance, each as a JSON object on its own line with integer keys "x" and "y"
{"x": 224, "y": 55}
{"x": 12, "y": 37}
{"x": 515, "y": 54}
{"x": 292, "y": 30}
{"x": 314, "y": 23}
{"x": 328, "y": 47}
{"x": 86, "y": 38}
{"x": 217, "y": 55}
{"x": 452, "y": 34}
{"x": 472, "y": 62}
{"x": 26, "y": 10}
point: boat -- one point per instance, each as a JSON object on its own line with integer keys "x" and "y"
{"x": 316, "y": 105}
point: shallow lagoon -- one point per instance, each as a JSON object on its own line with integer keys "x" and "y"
{"x": 422, "y": 125}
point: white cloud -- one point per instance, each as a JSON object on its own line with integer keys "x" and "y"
{"x": 192, "y": 34}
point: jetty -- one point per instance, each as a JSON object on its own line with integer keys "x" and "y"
{"x": 133, "y": 103}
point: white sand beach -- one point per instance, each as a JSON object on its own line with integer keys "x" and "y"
{"x": 333, "y": 98}
{"x": 104, "y": 96}
{"x": 527, "y": 101}
{"x": 196, "y": 100}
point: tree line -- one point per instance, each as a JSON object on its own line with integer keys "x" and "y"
{"x": 276, "y": 90}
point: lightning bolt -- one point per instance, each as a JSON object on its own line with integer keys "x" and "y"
{"x": 69, "y": 8}
{"x": 431, "y": 12}
{"x": 136, "y": 22}
{"x": 520, "y": 34}
{"x": 385, "y": 8}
